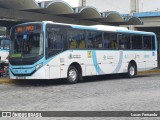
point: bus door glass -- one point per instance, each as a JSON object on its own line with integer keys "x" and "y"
{"x": 149, "y": 47}
{"x": 56, "y": 40}
{"x": 110, "y": 45}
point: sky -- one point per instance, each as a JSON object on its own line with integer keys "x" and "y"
{"x": 122, "y": 6}
{"x": 73, "y": 3}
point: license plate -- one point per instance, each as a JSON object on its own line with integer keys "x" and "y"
{"x": 19, "y": 77}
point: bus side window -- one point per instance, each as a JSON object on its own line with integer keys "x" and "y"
{"x": 110, "y": 41}
{"x": 82, "y": 44}
{"x": 147, "y": 42}
{"x": 114, "y": 44}
{"x": 153, "y": 43}
{"x": 77, "y": 39}
{"x": 72, "y": 43}
{"x": 124, "y": 41}
{"x": 94, "y": 39}
{"x": 106, "y": 41}
{"x": 137, "y": 42}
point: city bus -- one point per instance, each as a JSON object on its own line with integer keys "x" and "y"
{"x": 49, "y": 50}
{"x": 4, "y": 48}
{"x": 4, "y": 53}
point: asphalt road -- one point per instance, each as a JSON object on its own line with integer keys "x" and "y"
{"x": 105, "y": 93}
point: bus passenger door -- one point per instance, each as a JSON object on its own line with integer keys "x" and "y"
{"x": 54, "y": 72}
{"x": 150, "y": 53}
{"x": 151, "y": 59}
{"x": 119, "y": 61}
{"x": 140, "y": 60}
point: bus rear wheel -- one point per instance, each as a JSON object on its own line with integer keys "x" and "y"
{"x": 72, "y": 75}
{"x": 131, "y": 70}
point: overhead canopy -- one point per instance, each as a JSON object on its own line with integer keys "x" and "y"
{"x": 133, "y": 20}
{"x": 60, "y": 11}
{"x": 130, "y": 20}
{"x": 19, "y": 4}
{"x": 110, "y": 17}
{"x": 59, "y": 8}
{"x": 88, "y": 12}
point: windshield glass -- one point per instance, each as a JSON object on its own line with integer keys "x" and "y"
{"x": 26, "y": 41}
{"x": 4, "y": 43}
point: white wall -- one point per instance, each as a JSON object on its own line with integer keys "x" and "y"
{"x": 123, "y": 6}
{"x": 149, "y": 5}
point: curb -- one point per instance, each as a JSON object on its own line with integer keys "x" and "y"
{"x": 6, "y": 81}
{"x": 149, "y": 71}
{"x": 9, "y": 81}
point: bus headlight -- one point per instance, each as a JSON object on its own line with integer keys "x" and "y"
{"x": 39, "y": 66}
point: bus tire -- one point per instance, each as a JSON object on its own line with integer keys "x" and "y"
{"x": 131, "y": 70}
{"x": 72, "y": 75}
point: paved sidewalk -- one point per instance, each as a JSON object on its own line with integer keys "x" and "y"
{"x": 156, "y": 70}
{"x": 5, "y": 81}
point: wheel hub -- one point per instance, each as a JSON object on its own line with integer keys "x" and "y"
{"x": 132, "y": 71}
{"x": 72, "y": 75}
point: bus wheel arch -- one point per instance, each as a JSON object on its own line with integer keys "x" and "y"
{"x": 132, "y": 69}
{"x": 74, "y": 73}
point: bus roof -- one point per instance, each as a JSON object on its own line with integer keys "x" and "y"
{"x": 93, "y": 27}
{"x": 136, "y": 32}
{"x": 101, "y": 27}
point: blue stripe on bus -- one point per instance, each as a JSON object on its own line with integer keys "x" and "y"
{"x": 118, "y": 67}
{"x": 96, "y": 64}
{"x": 28, "y": 66}
{"x": 2, "y": 50}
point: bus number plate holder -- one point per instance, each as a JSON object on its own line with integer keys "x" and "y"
{"x": 19, "y": 77}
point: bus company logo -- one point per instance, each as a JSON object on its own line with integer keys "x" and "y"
{"x": 104, "y": 57}
{"x": 70, "y": 56}
{"x": 6, "y": 114}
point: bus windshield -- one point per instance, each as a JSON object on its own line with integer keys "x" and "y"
{"x": 26, "y": 42}
{"x": 4, "y": 43}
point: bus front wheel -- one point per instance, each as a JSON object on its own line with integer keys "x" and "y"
{"x": 131, "y": 70}
{"x": 72, "y": 75}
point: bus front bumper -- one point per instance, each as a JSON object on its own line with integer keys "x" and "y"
{"x": 40, "y": 74}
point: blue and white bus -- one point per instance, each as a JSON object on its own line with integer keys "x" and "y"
{"x": 4, "y": 49}
{"x": 48, "y": 50}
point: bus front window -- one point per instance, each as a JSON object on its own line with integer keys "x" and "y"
{"x": 27, "y": 45}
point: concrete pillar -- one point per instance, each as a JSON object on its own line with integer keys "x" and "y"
{"x": 82, "y": 3}
{"x": 134, "y": 6}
